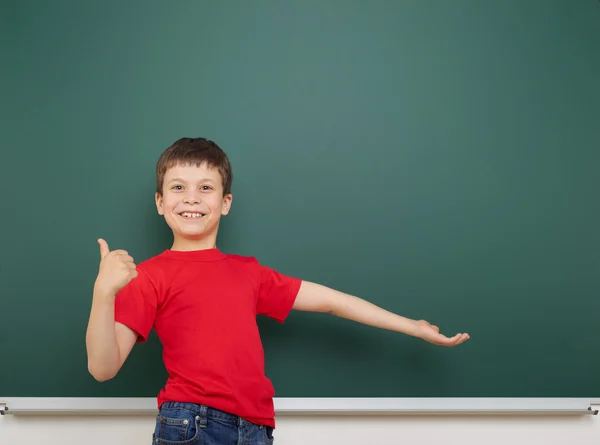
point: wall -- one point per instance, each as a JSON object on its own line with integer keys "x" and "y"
{"x": 302, "y": 430}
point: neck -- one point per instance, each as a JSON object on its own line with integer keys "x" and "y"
{"x": 185, "y": 244}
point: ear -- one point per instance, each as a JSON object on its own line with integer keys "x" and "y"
{"x": 159, "y": 203}
{"x": 226, "y": 204}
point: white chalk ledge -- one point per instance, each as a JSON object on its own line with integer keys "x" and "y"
{"x": 318, "y": 406}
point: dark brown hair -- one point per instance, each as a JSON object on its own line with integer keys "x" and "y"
{"x": 194, "y": 151}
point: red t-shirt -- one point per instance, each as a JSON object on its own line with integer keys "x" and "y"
{"x": 203, "y": 306}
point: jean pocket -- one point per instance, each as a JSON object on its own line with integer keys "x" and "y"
{"x": 268, "y": 432}
{"x": 176, "y": 427}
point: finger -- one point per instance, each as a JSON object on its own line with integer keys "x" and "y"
{"x": 459, "y": 338}
{"x": 126, "y": 258}
{"x": 104, "y": 250}
{"x": 120, "y": 252}
{"x": 133, "y": 274}
{"x": 129, "y": 264}
{"x": 449, "y": 341}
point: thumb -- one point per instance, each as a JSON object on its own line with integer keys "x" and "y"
{"x": 104, "y": 250}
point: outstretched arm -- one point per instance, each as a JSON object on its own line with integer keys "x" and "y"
{"x": 315, "y": 297}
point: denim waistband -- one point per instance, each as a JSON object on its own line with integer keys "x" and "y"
{"x": 202, "y": 410}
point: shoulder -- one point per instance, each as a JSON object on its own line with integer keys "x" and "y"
{"x": 250, "y": 264}
{"x": 243, "y": 262}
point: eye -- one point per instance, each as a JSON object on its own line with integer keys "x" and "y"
{"x": 206, "y": 187}
{"x": 177, "y": 187}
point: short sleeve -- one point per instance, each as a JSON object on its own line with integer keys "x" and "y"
{"x": 135, "y": 305}
{"x": 277, "y": 293}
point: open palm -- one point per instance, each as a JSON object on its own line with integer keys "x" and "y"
{"x": 431, "y": 334}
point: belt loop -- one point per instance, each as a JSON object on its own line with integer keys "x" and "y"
{"x": 203, "y": 416}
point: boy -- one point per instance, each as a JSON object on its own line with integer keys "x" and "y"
{"x": 203, "y": 304}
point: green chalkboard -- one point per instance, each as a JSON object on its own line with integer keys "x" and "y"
{"x": 439, "y": 159}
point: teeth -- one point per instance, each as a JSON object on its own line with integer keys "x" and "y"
{"x": 192, "y": 215}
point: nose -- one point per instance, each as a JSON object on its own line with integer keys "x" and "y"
{"x": 191, "y": 197}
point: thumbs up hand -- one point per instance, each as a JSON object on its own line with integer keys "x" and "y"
{"x": 116, "y": 269}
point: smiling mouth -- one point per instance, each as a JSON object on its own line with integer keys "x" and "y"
{"x": 191, "y": 215}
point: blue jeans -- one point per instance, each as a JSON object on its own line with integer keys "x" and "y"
{"x": 189, "y": 424}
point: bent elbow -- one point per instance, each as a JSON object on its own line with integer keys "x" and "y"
{"x": 101, "y": 375}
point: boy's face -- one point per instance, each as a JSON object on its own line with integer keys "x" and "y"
{"x": 192, "y": 203}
